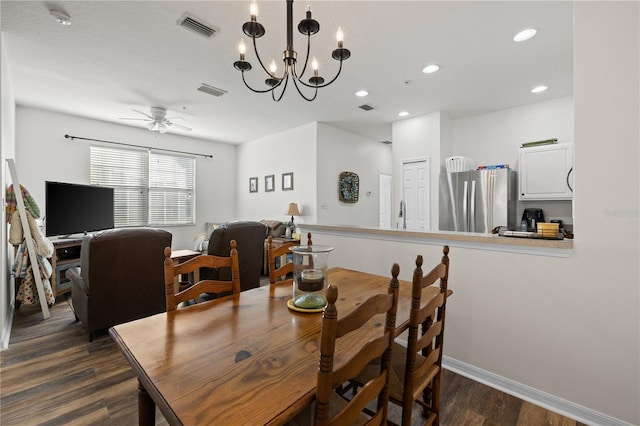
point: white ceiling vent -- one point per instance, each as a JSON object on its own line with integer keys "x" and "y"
{"x": 197, "y": 25}
{"x": 211, "y": 90}
{"x": 366, "y": 107}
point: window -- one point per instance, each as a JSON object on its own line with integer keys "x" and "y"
{"x": 150, "y": 188}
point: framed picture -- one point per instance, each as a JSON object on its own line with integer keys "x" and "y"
{"x": 287, "y": 181}
{"x": 253, "y": 184}
{"x": 269, "y": 183}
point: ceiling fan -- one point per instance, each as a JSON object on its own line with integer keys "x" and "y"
{"x": 158, "y": 120}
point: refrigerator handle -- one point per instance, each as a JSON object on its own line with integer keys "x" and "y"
{"x": 465, "y": 217}
{"x": 472, "y": 201}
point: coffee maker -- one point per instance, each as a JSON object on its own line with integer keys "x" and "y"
{"x": 530, "y": 218}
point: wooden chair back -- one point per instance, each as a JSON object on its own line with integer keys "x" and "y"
{"x": 176, "y": 295}
{"x": 330, "y": 379}
{"x": 278, "y": 276}
{"x": 426, "y": 336}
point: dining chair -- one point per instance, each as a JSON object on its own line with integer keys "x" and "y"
{"x": 176, "y": 294}
{"x": 330, "y": 408}
{"x": 416, "y": 369}
{"x": 283, "y": 275}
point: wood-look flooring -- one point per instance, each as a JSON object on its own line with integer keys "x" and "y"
{"x": 52, "y": 375}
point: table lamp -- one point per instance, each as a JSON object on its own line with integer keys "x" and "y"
{"x": 293, "y": 211}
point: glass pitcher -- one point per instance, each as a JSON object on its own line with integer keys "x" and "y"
{"x": 310, "y": 276}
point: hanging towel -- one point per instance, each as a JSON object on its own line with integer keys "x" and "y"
{"x": 21, "y": 261}
{"x": 44, "y": 246}
{"x": 29, "y": 202}
{"x": 28, "y": 291}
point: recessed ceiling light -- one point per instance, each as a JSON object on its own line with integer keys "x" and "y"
{"x": 539, "y": 89}
{"x": 361, "y": 93}
{"x": 61, "y": 17}
{"x": 524, "y": 34}
{"x": 403, "y": 114}
{"x": 430, "y": 69}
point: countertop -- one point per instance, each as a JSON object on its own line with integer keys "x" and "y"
{"x": 561, "y": 248}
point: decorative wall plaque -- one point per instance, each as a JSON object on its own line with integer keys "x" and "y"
{"x": 348, "y": 187}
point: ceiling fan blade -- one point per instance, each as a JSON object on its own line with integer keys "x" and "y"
{"x": 143, "y": 113}
{"x": 179, "y": 126}
{"x": 137, "y": 119}
{"x": 174, "y": 118}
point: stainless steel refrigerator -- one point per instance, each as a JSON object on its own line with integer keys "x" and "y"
{"x": 478, "y": 200}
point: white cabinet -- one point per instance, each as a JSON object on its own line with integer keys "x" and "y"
{"x": 546, "y": 172}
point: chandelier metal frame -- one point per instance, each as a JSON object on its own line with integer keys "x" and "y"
{"x": 308, "y": 27}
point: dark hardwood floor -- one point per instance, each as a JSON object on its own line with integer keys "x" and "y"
{"x": 52, "y": 375}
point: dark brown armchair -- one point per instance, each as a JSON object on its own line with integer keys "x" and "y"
{"x": 121, "y": 277}
{"x": 250, "y": 238}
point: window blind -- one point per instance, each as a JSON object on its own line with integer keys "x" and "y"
{"x": 149, "y": 188}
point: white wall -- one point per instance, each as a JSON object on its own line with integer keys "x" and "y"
{"x": 415, "y": 139}
{"x": 43, "y": 153}
{"x": 607, "y": 198}
{"x": 341, "y": 151}
{"x": 495, "y": 138}
{"x": 567, "y": 327}
{"x": 7, "y": 150}
{"x": 294, "y": 151}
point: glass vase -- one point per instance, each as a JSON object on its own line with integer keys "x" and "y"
{"x": 310, "y": 264}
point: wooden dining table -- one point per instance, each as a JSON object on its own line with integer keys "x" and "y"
{"x": 245, "y": 359}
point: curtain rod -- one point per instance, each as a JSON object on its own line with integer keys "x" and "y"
{"x": 138, "y": 146}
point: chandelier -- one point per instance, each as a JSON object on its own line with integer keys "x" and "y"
{"x": 308, "y": 27}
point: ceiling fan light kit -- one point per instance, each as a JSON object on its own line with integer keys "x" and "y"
{"x": 158, "y": 120}
{"x": 308, "y": 27}
{"x": 61, "y": 17}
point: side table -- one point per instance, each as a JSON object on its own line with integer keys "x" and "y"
{"x": 180, "y": 256}
{"x": 277, "y": 243}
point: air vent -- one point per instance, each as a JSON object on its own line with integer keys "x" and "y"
{"x": 197, "y": 26}
{"x": 211, "y": 90}
{"x": 366, "y": 107}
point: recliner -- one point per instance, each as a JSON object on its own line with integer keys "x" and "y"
{"x": 250, "y": 238}
{"x": 121, "y": 277}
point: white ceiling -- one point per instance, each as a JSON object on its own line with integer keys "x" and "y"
{"x": 123, "y": 55}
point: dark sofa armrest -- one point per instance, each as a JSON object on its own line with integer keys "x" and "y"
{"x": 73, "y": 275}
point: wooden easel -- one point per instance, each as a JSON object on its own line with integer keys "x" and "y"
{"x": 33, "y": 256}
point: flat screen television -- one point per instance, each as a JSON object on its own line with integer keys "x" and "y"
{"x": 71, "y": 208}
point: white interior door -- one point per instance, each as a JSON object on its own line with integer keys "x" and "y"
{"x": 415, "y": 192}
{"x": 385, "y": 214}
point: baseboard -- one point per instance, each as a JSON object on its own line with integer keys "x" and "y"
{"x": 532, "y": 395}
{"x": 6, "y": 330}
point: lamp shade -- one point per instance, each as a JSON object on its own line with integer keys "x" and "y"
{"x": 293, "y": 209}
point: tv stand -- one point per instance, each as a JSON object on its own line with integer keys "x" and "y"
{"x": 73, "y": 236}
{"x": 66, "y": 254}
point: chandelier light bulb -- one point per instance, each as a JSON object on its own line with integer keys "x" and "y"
{"x": 273, "y": 67}
{"x": 242, "y": 49}
{"x": 253, "y": 10}
{"x": 314, "y": 64}
{"x": 340, "y": 36}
